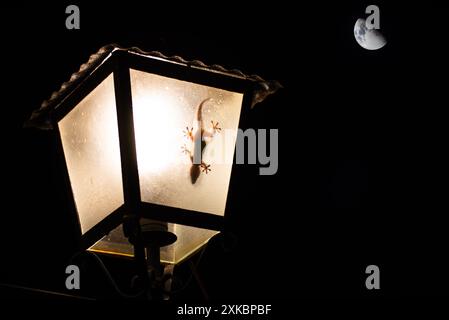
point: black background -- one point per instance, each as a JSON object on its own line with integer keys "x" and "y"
{"x": 361, "y": 176}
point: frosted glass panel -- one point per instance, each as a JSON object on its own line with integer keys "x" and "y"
{"x": 170, "y": 116}
{"x": 89, "y": 135}
{"x": 190, "y": 239}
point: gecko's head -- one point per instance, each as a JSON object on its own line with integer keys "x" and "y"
{"x": 194, "y": 173}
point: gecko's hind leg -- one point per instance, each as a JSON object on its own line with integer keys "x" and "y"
{"x": 188, "y": 133}
{"x": 215, "y": 127}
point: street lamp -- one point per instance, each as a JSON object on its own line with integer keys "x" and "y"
{"x": 148, "y": 142}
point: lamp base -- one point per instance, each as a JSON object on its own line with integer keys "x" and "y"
{"x": 155, "y": 233}
{"x": 148, "y": 236}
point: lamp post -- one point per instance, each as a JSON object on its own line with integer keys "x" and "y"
{"x": 147, "y": 142}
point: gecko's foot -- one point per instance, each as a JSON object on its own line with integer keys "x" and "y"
{"x": 185, "y": 150}
{"x": 215, "y": 127}
{"x": 205, "y": 167}
{"x": 188, "y": 133}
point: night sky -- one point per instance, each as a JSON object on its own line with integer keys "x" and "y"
{"x": 361, "y": 176}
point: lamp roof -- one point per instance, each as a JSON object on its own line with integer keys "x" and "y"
{"x": 39, "y": 118}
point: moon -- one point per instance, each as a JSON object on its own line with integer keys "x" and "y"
{"x": 366, "y": 38}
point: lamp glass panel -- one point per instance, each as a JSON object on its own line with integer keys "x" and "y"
{"x": 90, "y": 141}
{"x": 190, "y": 239}
{"x": 166, "y": 120}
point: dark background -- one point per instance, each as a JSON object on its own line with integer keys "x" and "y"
{"x": 361, "y": 175}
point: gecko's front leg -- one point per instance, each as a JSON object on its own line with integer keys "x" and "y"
{"x": 185, "y": 150}
{"x": 205, "y": 167}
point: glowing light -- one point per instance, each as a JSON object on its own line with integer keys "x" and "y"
{"x": 157, "y": 144}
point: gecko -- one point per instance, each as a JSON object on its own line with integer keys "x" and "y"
{"x": 198, "y": 138}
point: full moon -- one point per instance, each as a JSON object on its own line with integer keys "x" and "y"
{"x": 366, "y": 38}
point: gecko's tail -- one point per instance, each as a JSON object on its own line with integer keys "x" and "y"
{"x": 199, "y": 111}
